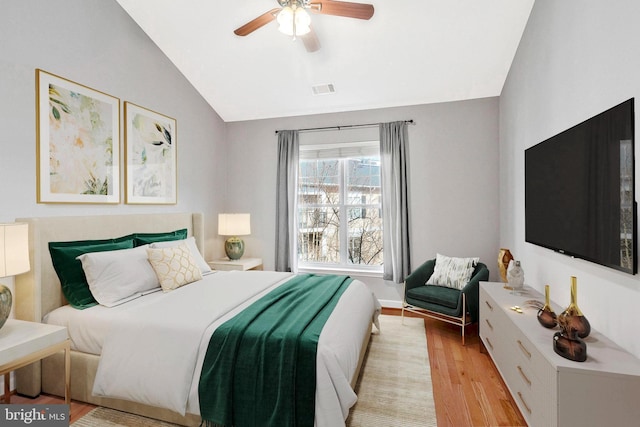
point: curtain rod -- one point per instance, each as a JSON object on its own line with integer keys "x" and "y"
{"x": 410, "y": 122}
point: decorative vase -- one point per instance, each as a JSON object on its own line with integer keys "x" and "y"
{"x": 572, "y": 349}
{"x": 515, "y": 275}
{"x": 572, "y": 317}
{"x": 5, "y": 304}
{"x": 504, "y": 258}
{"x": 234, "y": 248}
{"x": 568, "y": 344}
{"x": 546, "y": 316}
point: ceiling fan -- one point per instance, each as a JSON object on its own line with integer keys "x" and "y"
{"x": 294, "y": 20}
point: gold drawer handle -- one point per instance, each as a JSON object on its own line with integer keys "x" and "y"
{"x": 489, "y": 324}
{"x": 524, "y": 403}
{"x": 488, "y": 305}
{"x": 524, "y": 376}
{"x": 524, "y": 349}
{"x": 489, "y": 342}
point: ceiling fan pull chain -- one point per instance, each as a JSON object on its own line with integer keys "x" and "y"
{"x": 295, "y": 9}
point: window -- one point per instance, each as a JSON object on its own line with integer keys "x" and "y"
{"x": 339, "y": 207}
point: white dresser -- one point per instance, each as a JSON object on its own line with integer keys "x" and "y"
{"x": 549, "y": 389}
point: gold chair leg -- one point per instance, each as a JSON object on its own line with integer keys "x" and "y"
{"x": 464, "y": 315}
{"x": 404, "y": 302}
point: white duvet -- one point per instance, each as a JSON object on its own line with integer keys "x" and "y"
{"x": 153, "y": 354}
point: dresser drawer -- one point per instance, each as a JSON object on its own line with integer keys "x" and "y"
{"x": 521, "y": 365}
{"x": 532, "y": 360}
{"x": 533, "y": 396}
{"x": 495, "y": 330}
{"x": 493, "y": 320}
{"x": 534, "y": 411}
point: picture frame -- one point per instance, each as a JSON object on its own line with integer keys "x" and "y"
{"x": 150, "y": 156}
{"x": 77, "y": 142}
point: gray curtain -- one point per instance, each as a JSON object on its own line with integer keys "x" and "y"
{"x": 288, "y": 149}
{"x": 394, "y": 143}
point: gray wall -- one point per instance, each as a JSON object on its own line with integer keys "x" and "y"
{"x": 454, "y": 175}
{"x": 95, "y": 43}
{"x": 231, "y": 167}
{"x": 576, "y": 59}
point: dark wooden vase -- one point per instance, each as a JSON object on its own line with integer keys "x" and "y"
{"x": 568, "y": 345}
{"x": 572, "y": 317}
{"x": 546, "y": 316}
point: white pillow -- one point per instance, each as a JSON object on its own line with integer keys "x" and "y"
{"x": 452, "y": 272}
{"x": 195, "y": 253}
{"x": 115, "y": 277}
{"x": 174, "y": 266}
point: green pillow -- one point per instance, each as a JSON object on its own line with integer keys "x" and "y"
{"x": 69, "y": 269}
{"x": 148, "y": 238}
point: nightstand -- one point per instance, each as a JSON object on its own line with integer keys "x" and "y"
{"x": 22, "y": 343}
{"x": 241, "y": 264}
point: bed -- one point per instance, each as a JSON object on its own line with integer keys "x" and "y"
{"x": 38, "y": 296}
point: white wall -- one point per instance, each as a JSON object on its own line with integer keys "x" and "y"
{"x": 576, "y": 59}
{"x": 231, "y": 167}
{"x": 95, "y": 43}
{"x": 453, "y": 163}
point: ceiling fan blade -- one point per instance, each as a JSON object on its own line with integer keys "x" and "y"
{"x": 342, "y": 8}
{"x": 310, "y": 40}
{"x": 260, "y": 21}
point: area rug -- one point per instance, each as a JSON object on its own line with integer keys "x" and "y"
{"x": 105, "y": 417}
{"x": 395, "y": 386}
{"x": 393, "y": 390}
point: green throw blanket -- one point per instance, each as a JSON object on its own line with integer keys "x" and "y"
{"x": 260, "y": 366}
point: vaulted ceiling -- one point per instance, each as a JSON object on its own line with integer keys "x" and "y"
{"x": 408, "y": 53}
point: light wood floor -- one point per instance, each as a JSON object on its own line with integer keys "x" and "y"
{"x": 467, "y": 388}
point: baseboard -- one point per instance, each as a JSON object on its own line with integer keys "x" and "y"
{"x": 386, "y": 303}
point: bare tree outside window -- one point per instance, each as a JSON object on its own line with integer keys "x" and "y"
{"x": 339, "y": 206}
{"x": 626, "y": 204}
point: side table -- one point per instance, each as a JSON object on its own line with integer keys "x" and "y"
{"x": 241, "y": 264}
{"x": 22, "y": 343}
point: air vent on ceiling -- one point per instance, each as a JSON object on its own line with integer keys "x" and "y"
{"x": 323, "y": 89}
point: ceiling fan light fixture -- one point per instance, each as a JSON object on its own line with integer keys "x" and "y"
{"x": 294, "y": 21}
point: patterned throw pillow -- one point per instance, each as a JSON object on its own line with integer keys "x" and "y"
{"x": 452, "y": 272}
{"x": 174, "y": 266}
{"x": 191, "y": 243}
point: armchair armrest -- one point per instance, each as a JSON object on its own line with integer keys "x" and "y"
{"x": 472, "y": 290}
{"x": 420, "y": 275}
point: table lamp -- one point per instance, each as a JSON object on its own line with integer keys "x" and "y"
{"x": 14, "y": 259}
{"x": 234, "y": 225}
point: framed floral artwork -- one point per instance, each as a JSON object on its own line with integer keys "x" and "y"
{"x": 78, "y": 142}
{"x": 150, "y": 156}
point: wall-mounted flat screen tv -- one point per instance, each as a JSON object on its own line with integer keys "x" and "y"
{"x": 580, "y": 190}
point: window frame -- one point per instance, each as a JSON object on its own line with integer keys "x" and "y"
{"x": 346, "y": 151}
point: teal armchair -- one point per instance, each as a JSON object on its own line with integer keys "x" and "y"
{"x": 457, "y": 306}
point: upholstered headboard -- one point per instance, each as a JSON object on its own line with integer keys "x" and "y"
{"x": 38, "y": 291}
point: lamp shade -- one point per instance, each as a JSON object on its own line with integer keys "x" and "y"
{"x": 14, "y": 249}
{"x": 234, "y": 224}
{"x": 294, "y": 21}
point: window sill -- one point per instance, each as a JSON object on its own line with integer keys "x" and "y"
{"x": 338, "y": 270}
